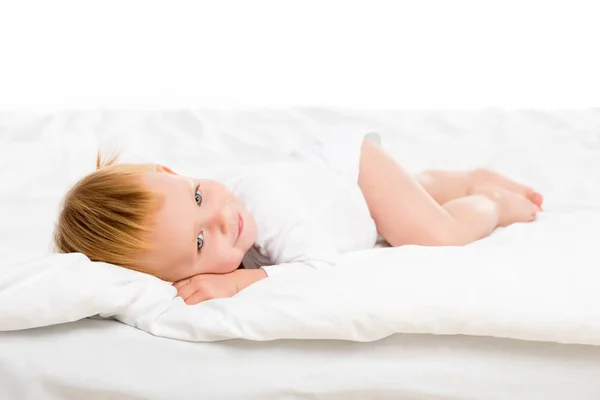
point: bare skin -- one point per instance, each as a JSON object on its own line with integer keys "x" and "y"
{"x": 437, "y": 208}
{"x": 431, "y": 208}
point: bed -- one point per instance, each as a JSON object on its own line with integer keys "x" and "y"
{"x": 543, "y": 343}
{"x": 93, "y": 359}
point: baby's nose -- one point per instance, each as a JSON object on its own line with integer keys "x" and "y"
{"x": 221, "y": 219}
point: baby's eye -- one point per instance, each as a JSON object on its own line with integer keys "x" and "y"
{"x": 198, "y": 197}
{"x": 200, "y": 241}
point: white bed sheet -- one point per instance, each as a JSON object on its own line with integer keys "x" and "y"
{"x": 94, "y": 359}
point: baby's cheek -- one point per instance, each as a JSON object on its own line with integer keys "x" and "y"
{"x": 230, "y": 261}
{"x": 250, "y": 232}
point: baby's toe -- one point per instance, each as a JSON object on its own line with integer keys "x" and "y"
{"x": 536, "y": 198}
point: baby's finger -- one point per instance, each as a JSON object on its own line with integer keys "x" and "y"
{"x": 181, "y": 283}
{"x": 196, "y": 298}
{"x": 186, "y": 291}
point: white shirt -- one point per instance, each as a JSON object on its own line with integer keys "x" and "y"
{"x": 306, "y": 212}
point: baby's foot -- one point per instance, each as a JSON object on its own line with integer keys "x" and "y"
{"x": 487, "y": 176}
{"x": 512, "y": 207}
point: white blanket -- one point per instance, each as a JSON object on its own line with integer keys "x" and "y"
{"x": 534, "y": 281}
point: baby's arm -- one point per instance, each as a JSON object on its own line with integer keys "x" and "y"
{"x": 203, "y": 287}
{"x": 246, "y": 277}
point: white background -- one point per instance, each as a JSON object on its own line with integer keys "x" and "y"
{"x": 364, "y": 54}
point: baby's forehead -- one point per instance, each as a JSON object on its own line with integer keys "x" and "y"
{"x": 173, "y": 234}
{"x": 167, "y": 183}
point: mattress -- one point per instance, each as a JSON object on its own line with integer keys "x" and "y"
{"x": 93, "y": 359}
{"x": 557, "y": 152}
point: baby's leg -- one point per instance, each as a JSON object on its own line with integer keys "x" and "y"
{"x": 484, "y": 176}
{"x": 405, "y": 213}
{"x": 445, "y": 186}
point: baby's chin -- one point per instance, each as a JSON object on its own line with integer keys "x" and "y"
{"x": 229, "y": 269}
{"x": 230, "y": 266}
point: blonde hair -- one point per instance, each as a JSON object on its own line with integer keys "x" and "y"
{"x": 108, "y": 214}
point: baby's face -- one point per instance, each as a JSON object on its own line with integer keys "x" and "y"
{"x": 201, "y": 228}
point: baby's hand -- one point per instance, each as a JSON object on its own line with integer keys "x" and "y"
{"x": 203, "y": 287}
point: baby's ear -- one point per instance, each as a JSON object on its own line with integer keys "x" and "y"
{"x": 164, "y": 168}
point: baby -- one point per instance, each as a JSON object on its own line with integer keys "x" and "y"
{"x": 213, "y": 239}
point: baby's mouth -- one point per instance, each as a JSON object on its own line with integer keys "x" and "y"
{"x": 240, "y": 226}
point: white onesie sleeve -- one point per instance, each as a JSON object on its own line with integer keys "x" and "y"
{"x": 305, "y": 248}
